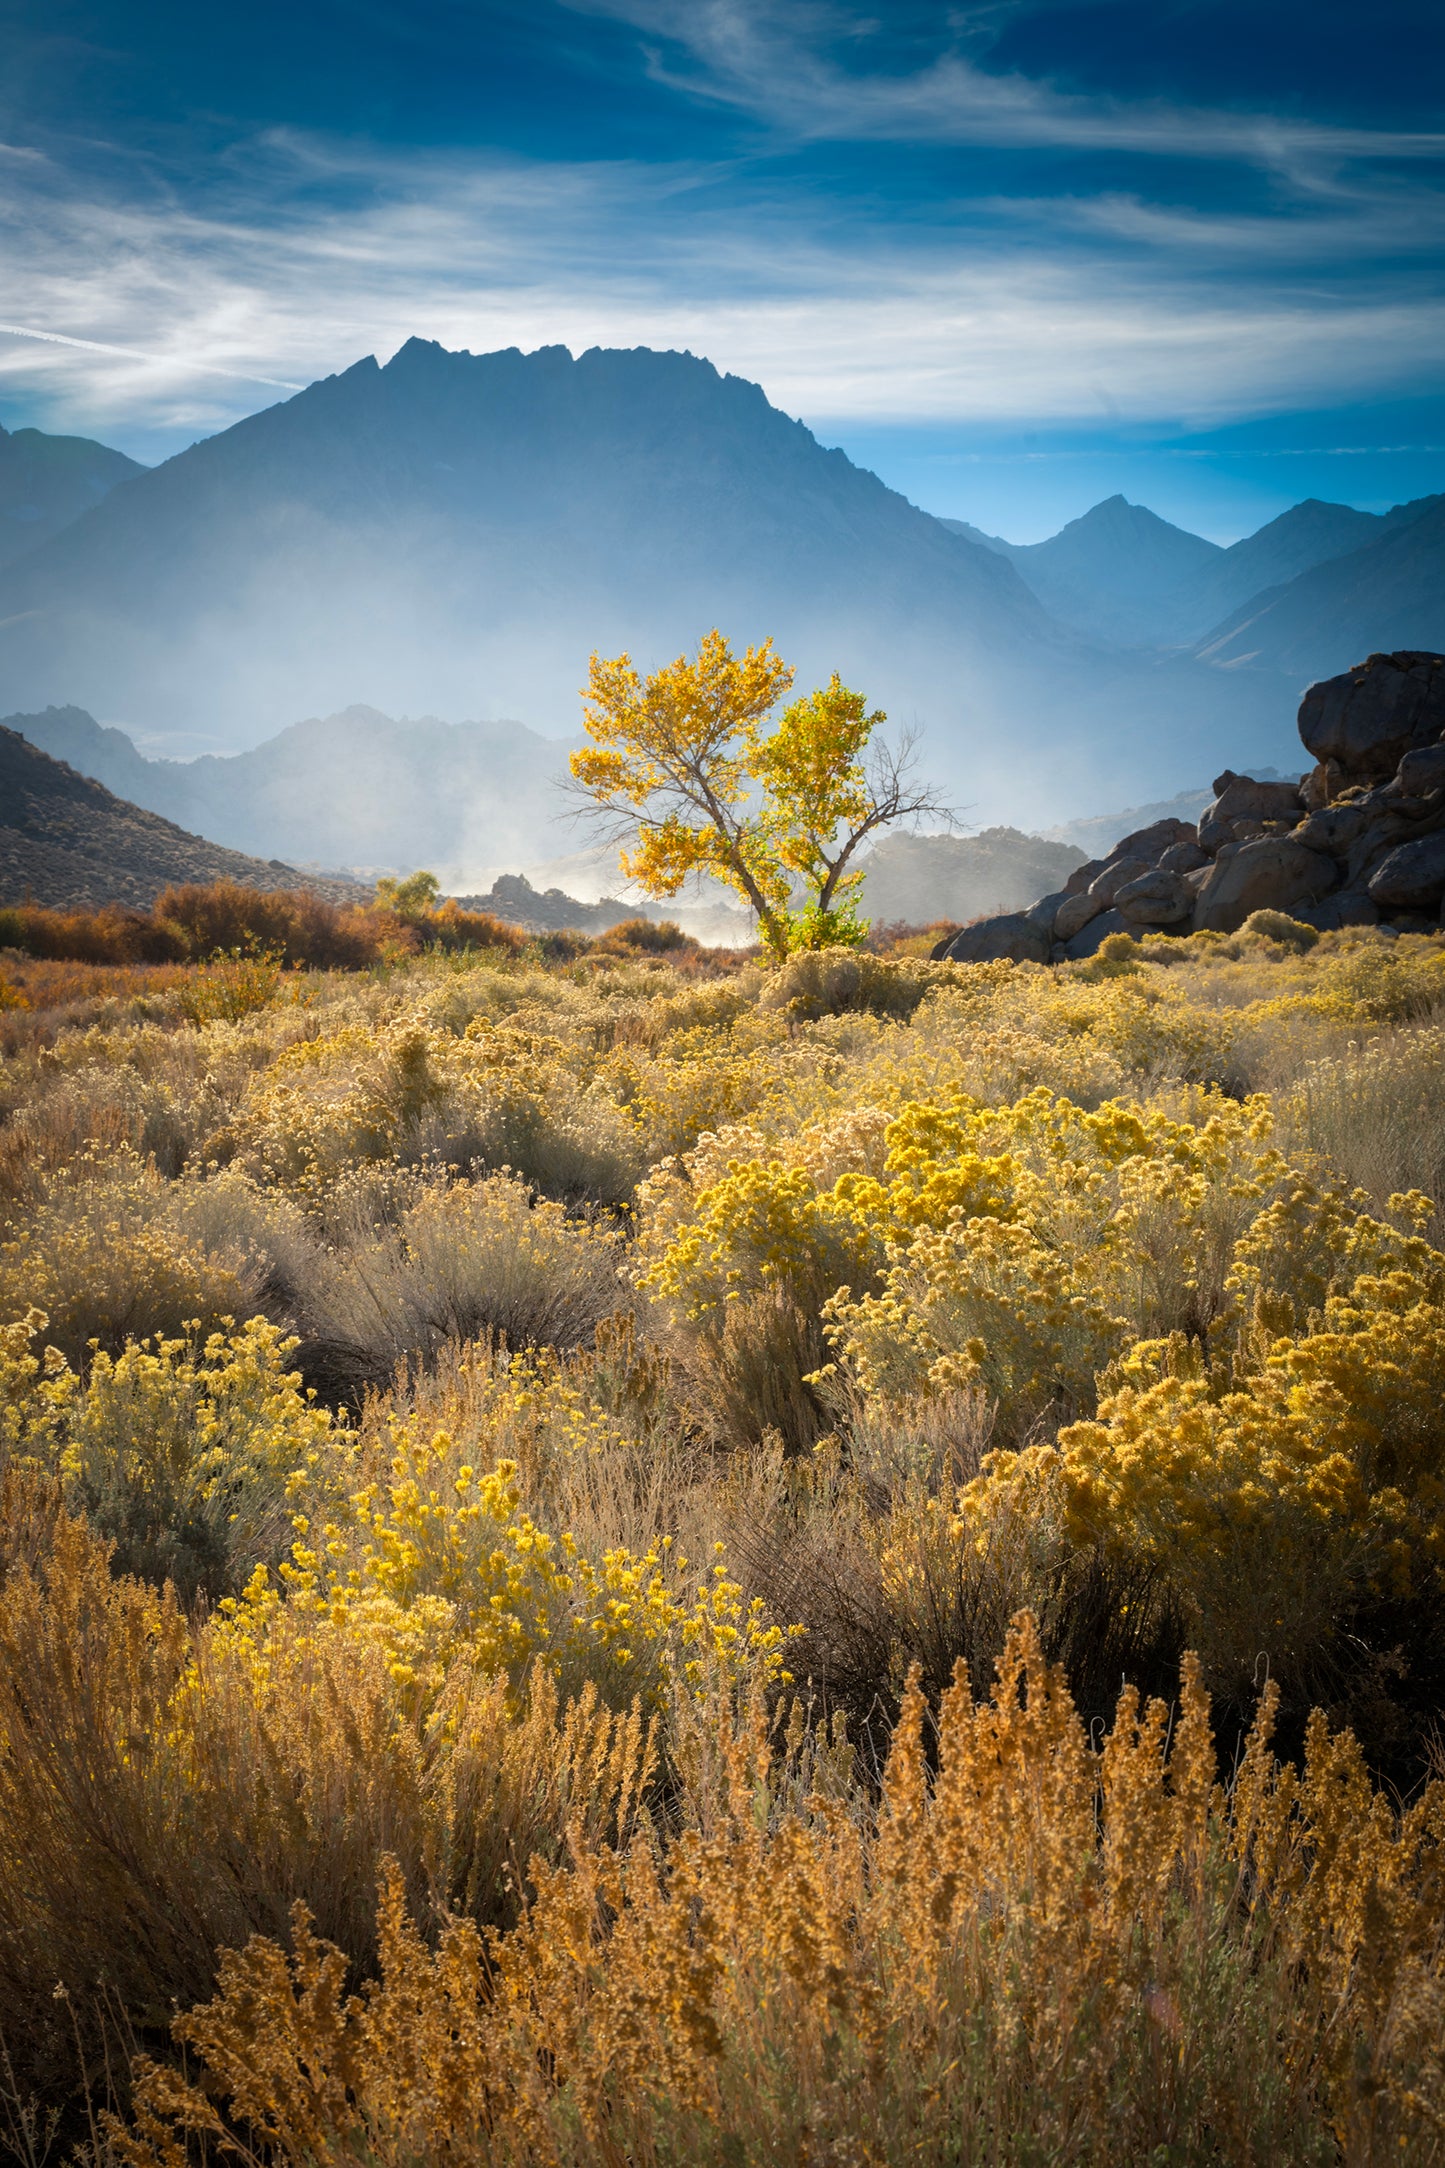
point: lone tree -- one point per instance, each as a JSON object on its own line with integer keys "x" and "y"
{"x": 686, "y": 774}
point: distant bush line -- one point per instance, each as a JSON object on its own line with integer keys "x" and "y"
{"x": 191, "y": 922}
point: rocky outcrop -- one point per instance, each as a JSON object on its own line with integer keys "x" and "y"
{"x": 1359, "y": 841}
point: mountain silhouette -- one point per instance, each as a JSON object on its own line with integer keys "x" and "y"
{"x": 455, "y": 533}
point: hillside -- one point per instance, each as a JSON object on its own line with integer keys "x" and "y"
{"x": 1113, "y": 572}
{"x": 454, "y": 529}
{"x": 353, "y": 789}
{"x": 46, "y": 482}
{"x": 67, "y": 841}
{"x": 1122, "y": 573}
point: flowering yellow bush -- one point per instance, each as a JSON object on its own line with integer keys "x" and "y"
{"x": 186, "y": 1453}
{"x": 1275, "y": 1493}
{"x": 441, "y": 1559}
{"x": 1039, "y": 1948}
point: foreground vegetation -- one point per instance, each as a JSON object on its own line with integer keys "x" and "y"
{"x": 615, "y": 1556}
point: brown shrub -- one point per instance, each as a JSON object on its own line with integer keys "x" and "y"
{"x": 292, "y": 924}
{"x": 452, "y": 928}
{"x": 115, "y": 935}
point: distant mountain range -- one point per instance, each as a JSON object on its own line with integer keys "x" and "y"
{"x": 454, "y": 533}
{"x": 67, "y": 841}
{"x": 1123, "y": 572}
{"x": 46, "y": 482}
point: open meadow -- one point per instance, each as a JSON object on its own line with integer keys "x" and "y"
{"x": 608, "y": 1554}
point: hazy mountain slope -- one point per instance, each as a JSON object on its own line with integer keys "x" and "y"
{"x": 454, "y": 527}
{"x": 68, "y": 841}
{"x": 355, "y": 789}
{"x": 1307, "y": 534}
{"x": 107, "y": 755}
{"x": 1108, "y": 573}
{"x": 993, "y": 542}
{"x": 917, "y": 878}
{"x": 45, "y": 482}
{"x": 1388, "y": 596}
{"x": 1130, "y": 576}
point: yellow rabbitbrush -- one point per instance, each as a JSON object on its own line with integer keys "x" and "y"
{"x": 1029, "y": 1950}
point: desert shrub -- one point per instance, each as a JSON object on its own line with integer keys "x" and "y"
{"x": 1281, "y": 1497}
{"x": 828, "y": 982}
{"x": 102, "y": 1255}
{"x": 112, "y": 936}
{"x": 1039, "y": 1949}
{"x": 451, "y": 928}
{"x": 461, "y": 1261}
{"x": 496, "y": 1094}
{"x": 223, "y": 918}
{"x": 99, "y": 1108}
{"x": 440, "y": 1558}
{"x": 1290, "y": 933}
{"x": 1374, "y": 1113}
{"x": 184, "y": 1455}
{"x": 648, "y": 936}
{"x": 194, "y": 1788}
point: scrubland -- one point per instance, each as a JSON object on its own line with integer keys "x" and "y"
{"x": 612, "y": 1556}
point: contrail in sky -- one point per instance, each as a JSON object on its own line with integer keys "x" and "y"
{"x": 133, "y": 353}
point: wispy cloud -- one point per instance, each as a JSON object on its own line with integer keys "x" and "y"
{"x": 186, "y": 364}
{"x": 317, "y": 252}
{"x": 779, "y": 59}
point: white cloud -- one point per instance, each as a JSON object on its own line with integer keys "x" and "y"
{"x": 314, "y": 253}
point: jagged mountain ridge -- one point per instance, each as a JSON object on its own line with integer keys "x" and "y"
{"x": 452, "y": 527}
{"x": 46, "y": 482}
{"x": 507, "y": 488}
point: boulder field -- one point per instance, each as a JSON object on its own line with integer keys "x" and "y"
{"x": 1359, "y": 841}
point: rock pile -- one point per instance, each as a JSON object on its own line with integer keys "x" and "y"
{"x": 1359, "y": 841}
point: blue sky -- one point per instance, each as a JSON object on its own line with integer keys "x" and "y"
{"x": 1013, "y": 256}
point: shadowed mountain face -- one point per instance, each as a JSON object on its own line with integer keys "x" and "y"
{"x": 453, "y": 524}
{"x": 1114, "y": 569}
{"x": 46, "y": 482}
{"x": 455, "y": 531}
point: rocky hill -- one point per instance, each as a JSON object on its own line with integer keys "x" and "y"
{"x": 1358, "y": 841}
{"x": 67, "y": 841}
